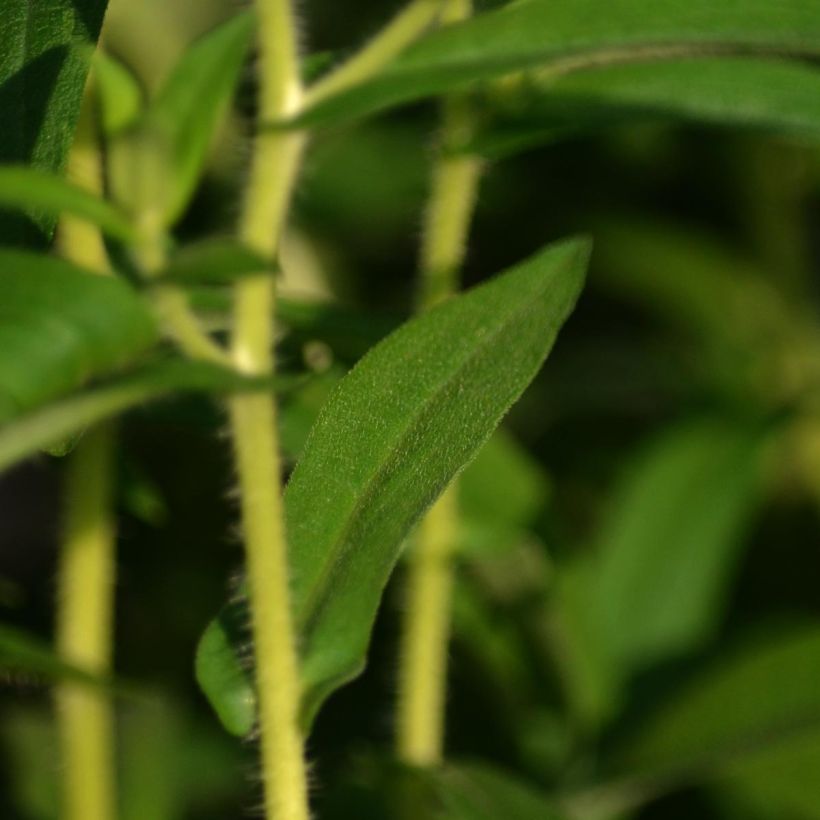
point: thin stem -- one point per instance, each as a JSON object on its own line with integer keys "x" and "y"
{"x": 426, "y": 628}
{"x": 399, "y": 33}
{"x": 84, "y": 628}
{"x": 86, "y": 573}
{"x": 274, "y": 167}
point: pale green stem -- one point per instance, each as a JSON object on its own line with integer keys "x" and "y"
{"x": 86, "y": 573}
{"x": 274, "y": 167}
{"x": 399, "y": 33}
{"x": 426, "y": 628}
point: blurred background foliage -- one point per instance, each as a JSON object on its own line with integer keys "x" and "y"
{"x": 637, "y": 617}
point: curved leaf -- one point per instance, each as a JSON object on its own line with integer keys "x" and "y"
{"x": 766, "y": 95}
{"x": 59, "y": 326}
{"x": 569, "y": 35}
{"x": 399, "y": 427}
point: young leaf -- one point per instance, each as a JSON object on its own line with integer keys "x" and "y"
{"x": 668, "y": 547}
{"x": 59, "y": 326}
{"x": 50, "y": 196}
{"x": 764, "y": 95}
{"x": 120, "y": 94}
{"x": 759, "y": 699}
{"x": 564, "y": 36}
{"x": 180, "y": 123}
{"x": 42, "y": 74}
{"x": 30, "y": 432}
{"x": 399, "y": 427}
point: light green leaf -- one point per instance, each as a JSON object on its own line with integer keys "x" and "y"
{"x": 43, "y": 65}
{"x": 60, "y": 326}
{"x": 120, "y": 94}
{"x": 169, "y": 146}
{"x": 763, "y": 95}
{"x": 37, "y": 430}
{"x": 565, "y": 36}
{"x": 50, "y": 197}
{"x": 214, "y": 262}
{"x": 762, "y": 699}
{"x": 667, "y": 549}
{"x": 399, "y": 427}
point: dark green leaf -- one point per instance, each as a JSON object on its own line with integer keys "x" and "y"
{"x": 42, "y": 73}
{"x": 668, "y": 547}
{"x": 564, "y": 36}
{"x": 214, "y": 262}
{"x": 764, "y": 95}
{"x": 50, "y": 197}
{"x": 753, "y": 702}
{"x": 21, "y": 652}
{"x": 408, "y": 417}
{"x": 60, "y": 326}
{"x": 37, "y": 430}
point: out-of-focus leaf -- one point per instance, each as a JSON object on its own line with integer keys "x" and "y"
{"x": 60, "y": 326}
{"x": 42, "y": 73}
{"x": 160, "y": 161}
{"x": 667, "y": 549}
{"x": 764, "y": 95}
{"x": 21, "y": 652}
{"x": 49, "y": 196}
{"x": 408, "y": 417}
{"x": 571, "y": 35}
{"x": 37, "y": 430}
{"x": 752, "y": 707}
{"x": 120, "y": 94}
{"x": 500, "y": 494}
{"x": 214, "y": 262}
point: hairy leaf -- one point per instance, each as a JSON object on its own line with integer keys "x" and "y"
{"x": 408, "y": 417}
{"x": 60, "y": 326}
{"x": 564, "y": 36}
{"x": 43, "y": 65}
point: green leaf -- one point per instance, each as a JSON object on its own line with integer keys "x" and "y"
{"x": 399, "y": 427}
{"x": 565, "y": 36}
{"x": 120, "y": 94}
{"x": 21, "y": 652}
{"x": 758, "y": 700}
{"x": 37, "y": 430}
{"x": 60, "y": 326}
{"x": 500, "y": 494}
{"x": 44, "y": 63}
{"x": 50, "y": 197}
{"x": 667, "y": 550}
{"x": 170, "y": 144}
{"x": 214, "y": 262}
{"x": 748, "y": 93}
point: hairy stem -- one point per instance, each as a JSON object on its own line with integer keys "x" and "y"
{"x": 274, "y": 168}
{"x": 86, "y": 573}
{"x": 426, "y": 629}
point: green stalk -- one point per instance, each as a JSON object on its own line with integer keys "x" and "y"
{"x": 86, "y": 572}
{"x": 426, "y": 627}
{"x": 274, "y": 166}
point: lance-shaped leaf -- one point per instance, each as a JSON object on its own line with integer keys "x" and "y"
{"x": 60, "y": 326}
{"x": 160, "y": 160}
{"x": 399, "y": 427}
{"x": 50, "y": 197}
{"x": 766, "y": 95}
{"x": 27, "y": 433}
{"x": 44, "y": 48}
{"x": 570, "y": 35}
